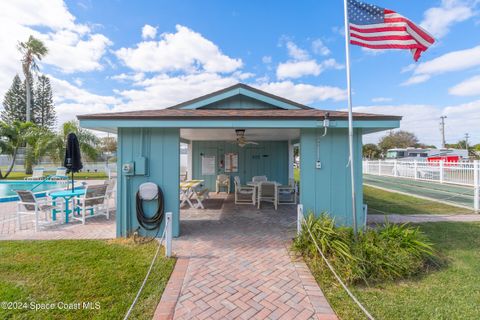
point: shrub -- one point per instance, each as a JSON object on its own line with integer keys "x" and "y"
{"x": 389, "y": 252}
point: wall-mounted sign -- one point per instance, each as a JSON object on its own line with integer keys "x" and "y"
{"x": 208, "y": 165}
{"x": 231, "y": 162}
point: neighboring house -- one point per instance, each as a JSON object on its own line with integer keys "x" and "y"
{"x": 150, "y": 139}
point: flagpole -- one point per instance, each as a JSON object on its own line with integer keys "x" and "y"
{"x": 350, "y": 118}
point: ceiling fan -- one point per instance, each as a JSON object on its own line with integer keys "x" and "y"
{"x": 241, "y": 140}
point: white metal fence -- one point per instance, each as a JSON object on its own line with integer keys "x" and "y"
{"x": 460, "y": 173}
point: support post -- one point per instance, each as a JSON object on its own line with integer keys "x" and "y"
{"x": 441, "y": 171}
{"x": 379, "y": 167}
{"x": 300, "y": 218}
{"x": 168, "y": 234}
{"x": 476, "y": 185}
{"x": 395, "y": 168}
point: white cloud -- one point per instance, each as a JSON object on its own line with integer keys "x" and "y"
{"x": 423, "y": 120}
{"x": 71, "y": 52}
{"x": 304, "y": 93}
{"x": 320, "y": 48}
{"x": 131, "y": 77}
{"x": 149, "y": 32}
{"x": 267, "y": 59}
{"x": 72, "y": 46}
{"x": 295, "y": 52}
{"x": 185, "y": 50}
{"x": 438, "y": 20}
{"x": 381, "y": 99}
{"x": 469, "y": 87}
{"x": 449, "y": 62}
{"x": 297, "y": 69}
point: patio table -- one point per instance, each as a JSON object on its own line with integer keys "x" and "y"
{"x": 187, "y": 192}
{"x": 67, "y": 195}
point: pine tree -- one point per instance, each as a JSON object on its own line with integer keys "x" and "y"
{"x": 43, "y": 108}
{"x": 14, "y": 106}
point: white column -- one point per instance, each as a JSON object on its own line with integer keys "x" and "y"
{"x": 395, "y": 168}
{"x": 290, "y": 160}
{"x": 476, "y": 185}
{"x": 190, "y": 161}
{"x": 168, "y": 234}
{"x": 379, "y": 167}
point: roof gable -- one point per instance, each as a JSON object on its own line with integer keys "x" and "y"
{"x": 240, "y": 96}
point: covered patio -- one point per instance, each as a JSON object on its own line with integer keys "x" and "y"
{"x": 149, "y": 150}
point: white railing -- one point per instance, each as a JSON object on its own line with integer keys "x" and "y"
{"x": 460, "y": 173}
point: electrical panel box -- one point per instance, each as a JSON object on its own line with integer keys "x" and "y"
{"x": 141, "y": 166}
{"x": 128, "y": 168}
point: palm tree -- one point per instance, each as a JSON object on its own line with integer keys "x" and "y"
{"x": 32, "y": 50}
{"x": 53, "y": 143}
{"x": 12, "y": 137}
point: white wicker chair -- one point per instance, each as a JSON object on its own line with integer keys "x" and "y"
{"x": 223, "y": 181}
{"x": 245, "y": 192}
{"x": 259, "y": 178}
{"x": 268, "y": 191}
{"x": 288, "y": 194}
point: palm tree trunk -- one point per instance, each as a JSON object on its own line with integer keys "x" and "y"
{"x": 28, "y": 151}
{"x": 10, "y": 168}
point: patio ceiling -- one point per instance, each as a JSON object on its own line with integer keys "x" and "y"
{"x": 229, "y": 134}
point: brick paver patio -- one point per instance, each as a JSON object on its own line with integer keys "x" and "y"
{"x": 234, "y": 263}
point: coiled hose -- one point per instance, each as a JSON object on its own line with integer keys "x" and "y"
{"x": 153, "y": 222}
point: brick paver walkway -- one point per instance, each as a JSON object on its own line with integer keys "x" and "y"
{"x": 235, "y": 263}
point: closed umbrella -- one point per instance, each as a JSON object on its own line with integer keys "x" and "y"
{"x": 73, "y": 158}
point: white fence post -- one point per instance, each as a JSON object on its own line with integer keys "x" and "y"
{"x": 300, "y": 218}
{"x": 395, "y": 169}
{"x": 168, "y": 234}
{"x": 476, "y": 185}
{"x": 379, "y": 167}
{"x": 415, "y": 169}
{"x": 441, "y": 171}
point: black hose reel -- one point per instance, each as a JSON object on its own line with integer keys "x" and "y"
{"x": 150, "y": 191}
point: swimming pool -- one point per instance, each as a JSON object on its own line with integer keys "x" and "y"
{"x": 8, "y": 187}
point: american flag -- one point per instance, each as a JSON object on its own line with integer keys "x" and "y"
{"x": 379, "y": 28}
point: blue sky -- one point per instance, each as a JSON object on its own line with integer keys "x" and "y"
{"x": 125, "y": 55}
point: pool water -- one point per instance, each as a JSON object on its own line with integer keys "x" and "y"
{"x": 8, "y": 187}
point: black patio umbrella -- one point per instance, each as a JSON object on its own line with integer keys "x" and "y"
{"x": 73, "y": 158}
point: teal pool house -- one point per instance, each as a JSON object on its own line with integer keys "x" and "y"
{"x": 149, "y": 149}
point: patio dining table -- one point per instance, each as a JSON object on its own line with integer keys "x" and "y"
{"x": 188, "y": 192}
{"x": 67, "y": 195}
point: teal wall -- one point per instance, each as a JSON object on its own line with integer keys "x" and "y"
{"x": 329, "y": 188}
{"x": 268, "y": 158}
{"x": 161, "y": 147}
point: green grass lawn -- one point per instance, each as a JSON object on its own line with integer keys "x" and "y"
{"x": 381, "y": 202}
{"x": 450, "y": 292}
{"x": 75, "y": 271}
{"x": 79, "y": 175}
